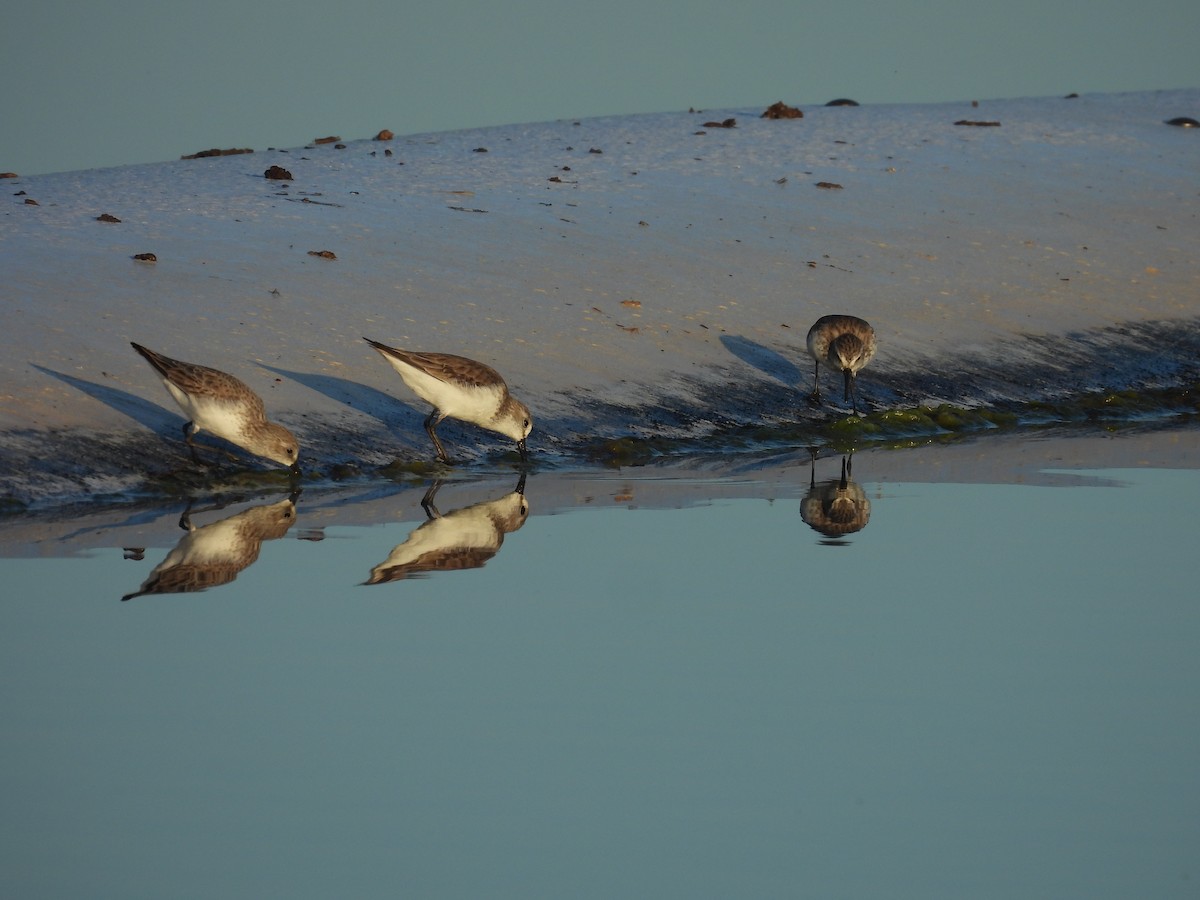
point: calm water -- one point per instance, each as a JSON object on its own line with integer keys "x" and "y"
{"x": 987, "y": 691}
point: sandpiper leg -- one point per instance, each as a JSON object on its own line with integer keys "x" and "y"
{"x": 185, "y": 518}
{"x": 427, "y": 502}
{"x": 430, "y": 427}
{"x": 815, "y": 396}
{"x": 187, "y": 437}
{"x": 854, "y": 394}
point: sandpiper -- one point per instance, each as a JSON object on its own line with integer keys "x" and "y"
{"x": 216, "y": 402}
{"x": 845, "y": 342}
{"x": 460, "y": 388}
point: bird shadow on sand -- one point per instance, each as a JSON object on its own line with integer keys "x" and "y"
{"x": 369, "y": 400}
{"x": 151, "y": 415}
{"x": 766, "y": 360}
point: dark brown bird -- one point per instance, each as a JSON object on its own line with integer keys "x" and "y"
{"x": 847, "y": 343}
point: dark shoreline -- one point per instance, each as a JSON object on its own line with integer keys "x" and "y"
{"x": 1135, "y": 375}
{"x": 692, "y": 472}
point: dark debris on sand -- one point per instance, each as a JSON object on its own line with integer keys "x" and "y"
{"x": 780, "y": 110}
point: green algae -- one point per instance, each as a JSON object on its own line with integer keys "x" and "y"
{"x": 633, "y": 451}
{"x": 11, "y": 506}
{"x": 902, "y": 428}
{"x": 401, "y": 469}
{"x": 1122, "y": 405}
{"x": 890, "y": 424}
{"x": 344, "y": 472}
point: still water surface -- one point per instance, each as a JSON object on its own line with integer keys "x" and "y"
{"x": 987, "y": 691}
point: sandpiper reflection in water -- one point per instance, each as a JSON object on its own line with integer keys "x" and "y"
{"x": 214, "y": 554}
{"x": 837, "y": 507}
{"x": 463, "y": 539}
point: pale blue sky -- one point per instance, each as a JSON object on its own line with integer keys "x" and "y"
{"x": 109, "y": 83}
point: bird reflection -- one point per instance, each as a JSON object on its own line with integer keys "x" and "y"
{"x": 837, "y": 507}
{"x": 463, "y": 539}
{"x": 214, "y": 554}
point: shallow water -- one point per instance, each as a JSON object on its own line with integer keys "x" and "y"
{"x": 665, "y": 687}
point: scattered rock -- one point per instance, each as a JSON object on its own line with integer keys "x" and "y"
{"x": 332, "y": 139}
{"x": 595, "y": 150}
{"x": 384, "y": 135}
{"x": 105, "y": 217}
{"x": 480, "y": 150}
{"x": 829, "y": 185}
{"x": 780, "y": 110}
{"x": 339, "y": 146}
{"x": 1183, "y": 122}
{"x": 324, "y": 254}
{"x": 724, "y": 123}
{"x": 29, "y": 201}
{"x": 387, "y": 151}
{"x": 842, "y": 101}
{"x": 145, "y": 257}
{"x": 232, "y": 151}
{"x": 977, "y": 124}
{"x": 278, "y": 173}
{"x": 1071, "y": 96}
{"x": 9, "y": 175}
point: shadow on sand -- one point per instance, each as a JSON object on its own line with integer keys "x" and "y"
{"x": 766, "y": 360}
{"x": 157, "y": 418}
{"x": 369, "y": 400}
